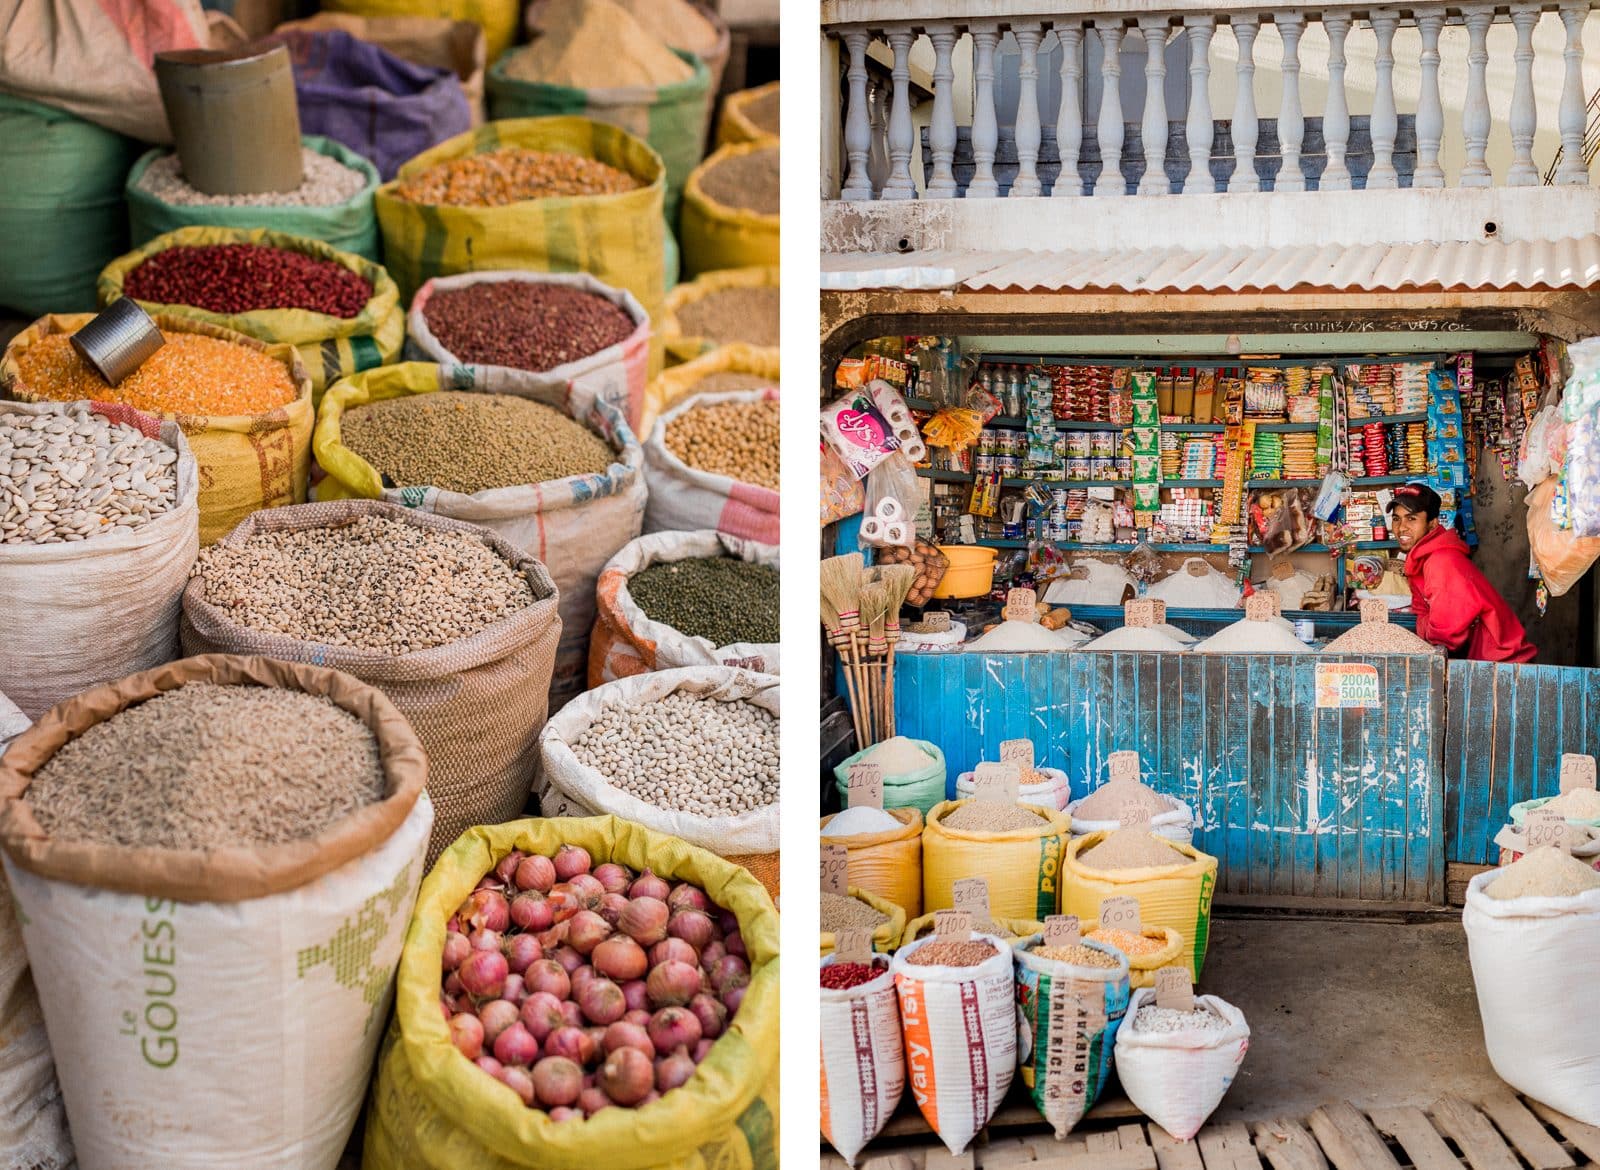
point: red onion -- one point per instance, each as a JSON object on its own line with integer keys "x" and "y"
{"x": 484, "y": 939}
{"x": 731, "y": 966}
{"x": 496, "y": 1016}
{"x": 733, "y": 993}
{"x": 615, "y": 878}
{"x": 673, "y": 949}
{"x": 592, "y": 1100}
{"x": 693, "y": 927}
{"x": 587, "y": 930}
{"x": 627, "y": 1076}
{"x": 569, "y": 959}
{"x": 483, "y": 975}
{"x": 488, "y": 882}
{"x": 514, "y": 990}
{"x": 672, "y": 1028}
{"x": 535, "y": 873}
{"x": 711, "y": 954}
{"x": 564, "y": 1113}
{"x": 447, "y": 1007}
{"x": 625, "y": 1035}
{"x": 601, "y": 1002}
{"x": 456, "y": 949}
{"x": 728, "y": 920}
{"x": 516, "y": 1045}
{"x": 580, "y": 979}
{"x": 733, "y": 943}
{"x": 633, "y": 992}
{"x": 702, "y": 1050}
{"x": 672, "y": 984}
{"x": 674, "y": 1071}
{"x": 506, "y": 868}
{"x": 466, "y": 1033}
{"x": 487, "y": 908}
{"x": 620, "y": 958}
{"x": 573, "y": 1043}
{"x": 571, "y": 860}
{"x": 557, "y": 1081}
{"x": 522, "y": 952}
{"x": 571, "y": 1015}
{"x": 713, "y": 1016}
{"x": 612, "y": 906}
{"x": 588, "y": 888}
{"x": 541, "y": 1015}
{"x": 548, "y": 975}
{"x": 520, "y": 1082}
{"x": 687, "y": 897}
{"x": 648, "y": 885}
{"x": 530, "y": 911}
{"x": 452, "y": 984}
{"x": 564, "y": 901}
{"x": 645, "y": 921}
{"x": 453, "y": 924}
{"x": 636, "y": 1016}
{"x": 489, "y": 1065}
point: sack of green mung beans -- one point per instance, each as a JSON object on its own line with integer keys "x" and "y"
{"x": 187, "y": 932}
{"x": 712, "y": 463}
{"x": 691, "y": 752}
{"x": 455, "y": 625}
{"x": 93, "y": 579}
{"x": 549, "y": 332}
{"x": 730, "y": 209}
{"x": 675, "y": 599}
{"x": 567, "y": 488}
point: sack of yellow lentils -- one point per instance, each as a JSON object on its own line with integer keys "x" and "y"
{"x": 1022, "y": 864}
{"x": 1153, "y": 948}
{"x": 728, "y": 306}
{"x": 888, "y": 864}
{"x": 886, "y": 934}
{"x": 730, "y": 209}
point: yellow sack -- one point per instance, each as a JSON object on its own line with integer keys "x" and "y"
{"x": 431, "y": 1109}
{"x": 888, "y": 864}
{"x": 886, "y": 938}
{"x": 1009, "y": 929}
{"x": 681, "y": 346}
{"x": 331, "y": 347}
{"x": 1179, "y": 898}
{"x": 247, "y": 462}
{"x": 1022, "y": 865}
{"x": 498, "y": 17}
{"x": 714, "y": 236}
{"x": 735, "y": 125}
{"x": 678, "y": 383}
{"x": 1142, "y": 968}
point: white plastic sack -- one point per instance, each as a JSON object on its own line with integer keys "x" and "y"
{"x": 863, "y": 1062}
{"x": 1175, "y": 824}
{"x": 1105, "y": 585}
{"x": 1182, "y": 589}
{"x": 960, "y": 1026}
{"x": 77, "y": 615}
{"x": 683, "y": 499}
{"x": 1177, "y": 1079}
{"x": 1531, "y": 964}
{"x": 950, "y": 639}
{"x": 1052, "y": 792}
{"x": 1533, "y": 458}
{"x": 568, "y": 788}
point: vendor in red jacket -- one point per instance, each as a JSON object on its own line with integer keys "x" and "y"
{"x": 1456, "y": 607}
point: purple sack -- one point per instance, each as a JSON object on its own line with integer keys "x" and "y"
{"x": 381, "y": 106}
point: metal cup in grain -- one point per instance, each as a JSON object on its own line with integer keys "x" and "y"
{"x": 118, "y": 340}
{"x": 235, "y": 118}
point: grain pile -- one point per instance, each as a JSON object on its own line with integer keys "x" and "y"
{"x": 763, "y": 111}
{"x": 1131, "y": 849}
{"x": 747, "y": 181}
{"x": 722, "y": 599}
{"x": 1135, "y": 638}
{"x": 242, "y": 278}
{"x": 733, "y": 314}
{"x": 1127, "y": 942}
{"x": 1078, "y": 955}
{"x": 524, "y": 324}
{"x": 1546, "y": 872}
{"x": 1581, "y": 804}
{"x": 326, "y": 182}
{"x": 1252, "y": 637}
{"x": 1023, "y": 637}
{"x": 1378, "y": 638}
{"x": 735, "y": 439}
{"x": 595, "y": 44}
{"x": 470, "y": 442}
{"x": 843, "y": 913}
{"x": 512, "y": 175}
{"x": 1159, "y": 1019}
{"x": 949, "y": 952}
{"x": 860, "y": 820}
{"x": 676, "y": 23}
{"x": 990, "y": 816}
{"x": 726, "y": 380}
{"x": 1105, "y": 803}
{"x": 898, "y": 756}
{"x": 206, "y": 767}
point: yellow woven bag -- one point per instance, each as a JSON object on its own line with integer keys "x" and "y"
{"x": 1176, "y": 897}
{"x": 1023, "y": 865}
{"x": 888, "y": 864}
{"x": 886, "y": 938}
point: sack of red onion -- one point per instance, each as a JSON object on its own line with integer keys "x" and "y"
{"x": 596, "y": 992}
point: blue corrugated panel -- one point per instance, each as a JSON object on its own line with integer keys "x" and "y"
{"x": 1294, "y": 800}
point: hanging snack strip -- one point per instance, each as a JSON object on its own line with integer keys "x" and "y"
{"x": 1447, "y": 451}
{"x": 1145, "y": 436}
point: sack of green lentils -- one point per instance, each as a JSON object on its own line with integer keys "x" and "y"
{"x": 730, "y": 209}
{"x": 702, "y": 599}
{"x": 712, "y": 463}
{"x": 567, "y": 487}
{"x": 332, "y": 346}
{"x": 333, "y": 205}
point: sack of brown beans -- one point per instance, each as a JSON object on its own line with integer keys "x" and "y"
{"x": 730, "y": 209}
{"x": 187, "y": 930}
{"x": 719, "y": 308}
{"x": 244, "y": 405}
{"x": 735, "y": 366}
{"x": 712, "y": 463}
{"x": 675, "y": 599}
{"x": 568, "y": 487}
{"x": 341, "y": 312}
{"x": 690, "y": 752}
{"x": 457, "y": 627}
{"x": 553, "y": 333}
{"x": 749, "y": 115}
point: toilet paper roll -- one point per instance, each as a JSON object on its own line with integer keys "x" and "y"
{"x": 898, "y": 532}
{"x": 889, "y": 509}
{"x": 872, "y": 529}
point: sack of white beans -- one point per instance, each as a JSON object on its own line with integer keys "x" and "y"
{"x": 1177, "y": 1075}
{"x": 863, "y": 1061}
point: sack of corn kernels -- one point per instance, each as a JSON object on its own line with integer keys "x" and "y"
{"x": 1175, "y": 1070}
{"x": 863, "y": 1063}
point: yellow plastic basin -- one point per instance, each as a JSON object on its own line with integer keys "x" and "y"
{"x": 971, "y": 571}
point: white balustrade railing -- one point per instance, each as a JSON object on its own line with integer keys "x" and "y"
{"x": 880, "y": 140}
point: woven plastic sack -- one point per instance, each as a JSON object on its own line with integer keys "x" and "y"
{"x": 716, "y": 236}
{"x": 477, "y": 704}
{"x": 616, "y": 374}
{"x": 626, "y": 641}
{"x": 1563, "y": 556}
{"x": 1142, "y": 968}
{"x": 863, "y": 1062}
{"x": 457, "y": 45}
{"x": 430, "y": 1109}
{"x": 735, "y": 124}
{"x": 331, "y": 347}
{"x": 167, "y": 975}
{"x": 1054, "y": 791}
{"x": 887, "y": 864}
{"x": 886, "y": 936}
{"x": 1519, "y": 813}
{"x": 497, "y": 18}
{"x": 682, "y": 346}
{"x": 960, "y": 1027}
{"x": 1175, "y": 824}
{"x": 350, "y": 226}
{"x": 1177, "y": 1079}
{"x": 1008, "y": 930}
{"x": 246, "y": 462}
{"x": 672, "y": 387}
{"x": 571, "y": 524}
{"x": 1179, "y": 898}
{"x": 1211, "y": 590}
{"x": 922, "y": 790}
{"x": 1069, "y": 1016}
{"x": 684, "y": 498}
{"x": 1023, "y": 865}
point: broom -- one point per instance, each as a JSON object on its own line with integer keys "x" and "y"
{"x": 841, "y": 595}
{"x": 874, "y": 611}
{"x": 897, "y": 579}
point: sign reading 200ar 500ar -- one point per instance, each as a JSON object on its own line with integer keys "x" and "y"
{"x": 1347, "y": 684}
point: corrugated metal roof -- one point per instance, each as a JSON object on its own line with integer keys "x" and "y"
{"x": 1534, "y": 265}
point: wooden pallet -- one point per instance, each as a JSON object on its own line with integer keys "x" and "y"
{"x": 1500, "y": 1132}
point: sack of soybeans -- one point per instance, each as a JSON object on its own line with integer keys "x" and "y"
{"x": 750, "y": 115}
{"x": 1172, "y": 883}
{"x": 720, "y": 308}
{"x": 1176, "y": 1065}
{"x": 1009, "y": 930}
{"x": 863, "y": 1058}
{"x": 675, "y": 599}
{"x": 884, "y": 852}
{"x": 550, "y": 332}
{"x": 1532, "y": 927}
{"x": 1072, "y": 997}
{"x": 859, "y": 909}
{"x": 93, "y": 587}
{"x": 735, "y": 366}
{"x": 913, "y": 773}
{"x": 730, "y": 209}
{"x": 456, "y": 626}
{"x": 1097, "y": 813}
{"x": 712, "y": 463}
{"x": 244, "y": 406}
{"x": 1017, "y": 846}
{"x": 567, "y": 488}
{"x": 691, "y": 752}
{"x": 187, "y": 931}
{"x": 958, "y": 1013}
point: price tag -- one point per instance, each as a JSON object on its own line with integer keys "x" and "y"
{"x": 835, "y": 870}
{"x": 1159, "y": 609}
{"x": 1021, "y": 605}
{"x": 996, "y": 782}
{"x": 952, "y": 924}
{"x": 1120, "y": 914}
{"x": 972, "y": 895}
{"x": 1258, "y": 607}
{"x": 1577, "y": 771}
{"x": 1062, "y": 930}
{"x": 1283, "y": 570}
{"x": 1374, "y": 611}
{"x": 1174, "y": 989}
{"x": 1134, "y": 814}
{"x": 1124, "y": 766}
{"x": 1198, "y": 568}
{"x": 1139, "y": 614}
{"x": 853, "y": 946}
{"x": 866, "y": 786}
{"x": 1020, "y": 753}
{"x": 935, "y": 622}
{"x": 1543, "y": 827}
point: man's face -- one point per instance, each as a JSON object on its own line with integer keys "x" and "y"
{"x": 1409, "y": 527}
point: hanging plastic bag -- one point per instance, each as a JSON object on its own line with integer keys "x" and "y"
{"x": 863, "y": 1061}
{"x": 1563, "y": 556}
{"x": 1177, "y": 1079}
{"x": 894, "y": 494}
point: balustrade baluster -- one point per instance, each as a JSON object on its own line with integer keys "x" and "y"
{"x": 1027, "y": 121}
{"x": 1336, "y": 114}
{"x": 1385, "y": 121}
{"x": 1069, "y": 118}
{"x": 1109, "y": 130}
{"x": 1245, "y": 127}
{"x": 985, "y": 127}
{"x": 878, "y": 156}
{"x": 900, "y": 184}
{"x": 857, "y": 119}
{"x": 1291, "y": 119}
{"x": 1199, "y": 129}
{"x": 1475, "y": 110}
{"x": 1524, "y": 115}
{"x": 1430, "y": 111}
{"x": 1572, "y": 168}
{"x": 942, "y": 130}
{"x": 1154, "y": 129}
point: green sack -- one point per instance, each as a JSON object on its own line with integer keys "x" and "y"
{"x": 350, "y": 226}
{"x": 920, "y": 790}
{"x": 61, "y": 214}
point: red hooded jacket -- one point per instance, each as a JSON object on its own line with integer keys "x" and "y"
{"x": 1457, "y": 607}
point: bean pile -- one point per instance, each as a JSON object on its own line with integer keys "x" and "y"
{"x": 843, "y": 913}
{"x": 687, "y": 754}
{"x": 1126, "y": 941}
{"x": 527, "y": 325}
{"x": 1159, "y": 1019}
{"x": 733, "y": 314}
{"x": 950, "y": 952}
{"x": 747, "y": 181}
{"x": 327, "y": 182}
{"x": 77, "y": 476}
{"x": 470, "y": 442}
{"x": 190, "y": 374}
{"x": 735, "y": 439}
{"x": 207, "y": 766}
{"x": 1078, "y": 956}
{"x": 1131, "y": 849}
{"x": 839, "y": 976}
{"x": 499, "y": 177}
{"x": 375, "y": 584}
{"x": 722, "y": 599}
{"x": 240, "y": 278}
{"x": 1377, "y": 638}
{"x": 989, "y": 816}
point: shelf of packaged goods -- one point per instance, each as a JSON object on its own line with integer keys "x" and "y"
{"x": 1389, "y": 419}
{"x": 1255, "y": 550}
{"x": 1191, "y": 483}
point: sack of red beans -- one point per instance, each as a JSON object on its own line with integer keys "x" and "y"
{"x": 863, "y": 1058}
